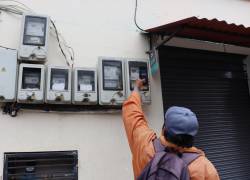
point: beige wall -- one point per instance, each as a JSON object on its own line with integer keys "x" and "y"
{"x": 98, "y": 28}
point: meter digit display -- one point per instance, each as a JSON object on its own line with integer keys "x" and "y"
{"x": 31, "y": 78}
{"x": 59, "y": 80}
{"x": 112, "y": 75}
{"x": 34, "y": 31}
{"x": 86, "y": 81}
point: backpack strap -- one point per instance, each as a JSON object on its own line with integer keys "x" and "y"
{"x": 158, "y": 146}
{"x": 186, "y": 157}
{"x": 190, "y": 157}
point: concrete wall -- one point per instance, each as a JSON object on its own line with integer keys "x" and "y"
{"x": 98, "y": 28}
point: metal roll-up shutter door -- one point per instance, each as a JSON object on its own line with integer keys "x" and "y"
{"x": 214, "y": 86}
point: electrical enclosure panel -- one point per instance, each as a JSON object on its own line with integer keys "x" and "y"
{"x": 58, "y": 85}
{"x": 85, "y": 86}
{"x": 138, "y": 69}
{"x": 34, "y": 38}
{"x": 8, "y": 75}
{"x": 31, "y": 83}
{"x": 111, "y": 81}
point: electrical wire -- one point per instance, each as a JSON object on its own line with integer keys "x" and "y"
{"x": 57, "y": 37}
{"x": 7, "y": 47}
{"x": 68, "y": 48}
{"x": 22, "y": 4}
{"x": 60, "y": 46}
{"x": 11, "y": 9}
{"x": 135, "y": 17}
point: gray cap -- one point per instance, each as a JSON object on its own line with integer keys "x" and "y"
{"x": 180, "y": 120}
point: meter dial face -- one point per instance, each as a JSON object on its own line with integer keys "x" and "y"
{"x": 31, "y": 78}
{"x": 112, "y": 75}
{"x": 59, "y": 79}
{"x": 85, "y": 80}
{"x": 138, "y": 70}
{"x": 34, "y": 31}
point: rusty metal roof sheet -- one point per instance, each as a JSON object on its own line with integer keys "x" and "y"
{"x": 212, "y": 30}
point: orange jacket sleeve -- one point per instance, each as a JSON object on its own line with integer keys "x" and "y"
{"x": 140, "y": 136}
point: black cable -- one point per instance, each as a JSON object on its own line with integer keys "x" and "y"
{"x": 59, "y": 43}
{"x": 135, "y": 17}
{"x": 73, "y": 53}
{"x": 7, "y": 48}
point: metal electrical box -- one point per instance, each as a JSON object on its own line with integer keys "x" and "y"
{"x": 31, "y": 83}
{"x": 85, "y": 86}
{"x": 138, "y": 69}
{"x": 58, "y": 85}
{"x": 8, "y": 75}
{"x": 111, "y": 81}
{"x": 34, "y": 38}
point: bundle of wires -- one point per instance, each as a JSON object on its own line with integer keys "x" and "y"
{"x": 18, "y": 8}
{"x": 13, "y": 6}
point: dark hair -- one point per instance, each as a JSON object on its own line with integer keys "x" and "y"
{"x": 182, "y": 140}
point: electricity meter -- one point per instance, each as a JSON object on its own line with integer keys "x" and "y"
{"x": 58, "y": 85}
{"x": 34, "y": 38}
{"x": 138, "y": 69}
{"x": 8, "y": 75}
{"x": 85, "y": 86}
{"x": 31, "y": 83}
{"x": 111, "y": 81}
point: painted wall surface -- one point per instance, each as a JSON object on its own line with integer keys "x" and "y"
{"x": 98, "y": 28}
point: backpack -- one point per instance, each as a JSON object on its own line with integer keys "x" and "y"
{"x": 168, "y": 165}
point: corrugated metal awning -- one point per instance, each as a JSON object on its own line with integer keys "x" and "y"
{"x": 207, "y": 30}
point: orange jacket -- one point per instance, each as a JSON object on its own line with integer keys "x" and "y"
{"x": 140, "y": 139}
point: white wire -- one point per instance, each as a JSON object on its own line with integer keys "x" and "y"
{"x": 65, "y": 46}
{"x": 27, "y": 8}
{"x": 68, "y": 48}
{"x": 10, "y": 9}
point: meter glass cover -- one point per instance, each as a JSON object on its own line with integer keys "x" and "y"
{"x": 112, "y": 75}
{"x": 138, "y": 70}
{"x": 35, "y": 31}
{"x": 59, "y": 79}
{"x": 31, "y": 78}
{"x": 85, "y": 80}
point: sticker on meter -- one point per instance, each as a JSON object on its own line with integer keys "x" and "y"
{"x": 111, "y": 84}
{"x": 35, "y": 40}
{"x": 86, "y": 87}
{"x": 58, "y": 83}
{"x": 85, "y": 83}
{"x": 35, "y": 29}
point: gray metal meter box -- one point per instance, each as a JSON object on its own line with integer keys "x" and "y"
{"x": 34, "y": 38}
{"x": 58, "y": 89}
{"x": 138, "y": 69}
{"x": 31, "y": 83}
{"x": 85, "y": 86}
{"x": 111, "y": 81}
{"x": 8, "y": 75}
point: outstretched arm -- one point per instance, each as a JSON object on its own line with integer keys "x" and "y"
{"x": 140, "y": 136}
